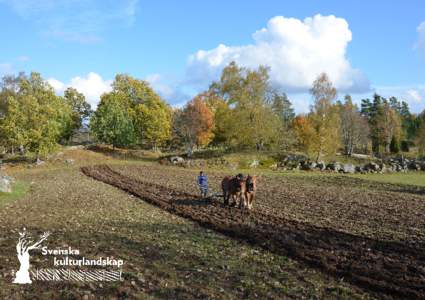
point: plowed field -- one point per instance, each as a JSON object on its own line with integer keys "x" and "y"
{"x": 372, "y": 237}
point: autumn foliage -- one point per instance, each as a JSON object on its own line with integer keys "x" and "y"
{"x": 196, "y": 123}
{"x": 303, "y": 131}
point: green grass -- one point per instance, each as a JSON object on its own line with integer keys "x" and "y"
{"x": 19, "y": 189}
{"x": 412, "y": 178}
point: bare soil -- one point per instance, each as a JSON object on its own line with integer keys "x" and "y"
{"x": 370, "y": 236}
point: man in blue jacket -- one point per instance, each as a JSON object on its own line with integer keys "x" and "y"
{"x": 203, "y": 184}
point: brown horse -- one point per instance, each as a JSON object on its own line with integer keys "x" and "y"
{"x": 251, "y": 188}
{"x": 233, "y": 187}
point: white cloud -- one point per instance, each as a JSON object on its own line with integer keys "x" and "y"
{"x": 59, "y": 86}
{"x": 75, "y": 20}
{"x": 170, "y": 90}
{"x": 421, "y": 37}
{"x": 296, "y": 50}
{"x": 92, "y": 86}
{"x": 155, "y": 81}
{"x": 300, "y": 102}
{"x": 414, "y": 96}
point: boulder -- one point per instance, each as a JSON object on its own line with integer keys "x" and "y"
{"x": 383, "y": 167}
{"x": 399, "y": 168}
{"x": 69, "y": 161}
{"x": 307, "y": 166}
{"x": 335, "y": 166}
{"x": 5, "y": 184}
{"x": 372, "y": 167}
{"x": 321, "y": 165}
{"x": 348, "y": 169}
{"x": 176, "y": 159}
{"x": 39, "y": 162}
{"x": 292, "y": 159}
{"x": 413, "y": 165}
{"x": 359, "y": 169}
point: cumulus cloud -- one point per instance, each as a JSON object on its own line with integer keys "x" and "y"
{"x": 295, "y": 50}
{"x": 57, "y": 85}
{"x": 92, "y": 86}
{"x": 414, "y": 95}
{"x": 156, "y": 82}
{"x": 170, "y": 90}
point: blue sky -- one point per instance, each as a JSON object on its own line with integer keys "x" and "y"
{"x": 365, "y": 46}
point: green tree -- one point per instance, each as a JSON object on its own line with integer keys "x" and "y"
{"x": 80, "y": 108}
{"x": 409, "y": 122}
{"x": 420, "y": 136}
{"x": 247, "y": 95}
{"x": 366, "y": 107}
{"x": 150, "y": 114}
{"x": 153, "y": 122}
{"x": 112, "y": 123}
{"x": 282, "y": 108}
{"x": 385, "y": 123}
{"x": 34, "y": 117}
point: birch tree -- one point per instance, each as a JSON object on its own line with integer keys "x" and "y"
{"x": 324, "y": 119}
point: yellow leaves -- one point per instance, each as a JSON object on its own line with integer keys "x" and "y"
{"x": 324, "y": 119}
{"x": 154, "y": 121}
{"x": 35, "y": 115}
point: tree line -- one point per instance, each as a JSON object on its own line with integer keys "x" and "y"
{"x": 241, "y": 110}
